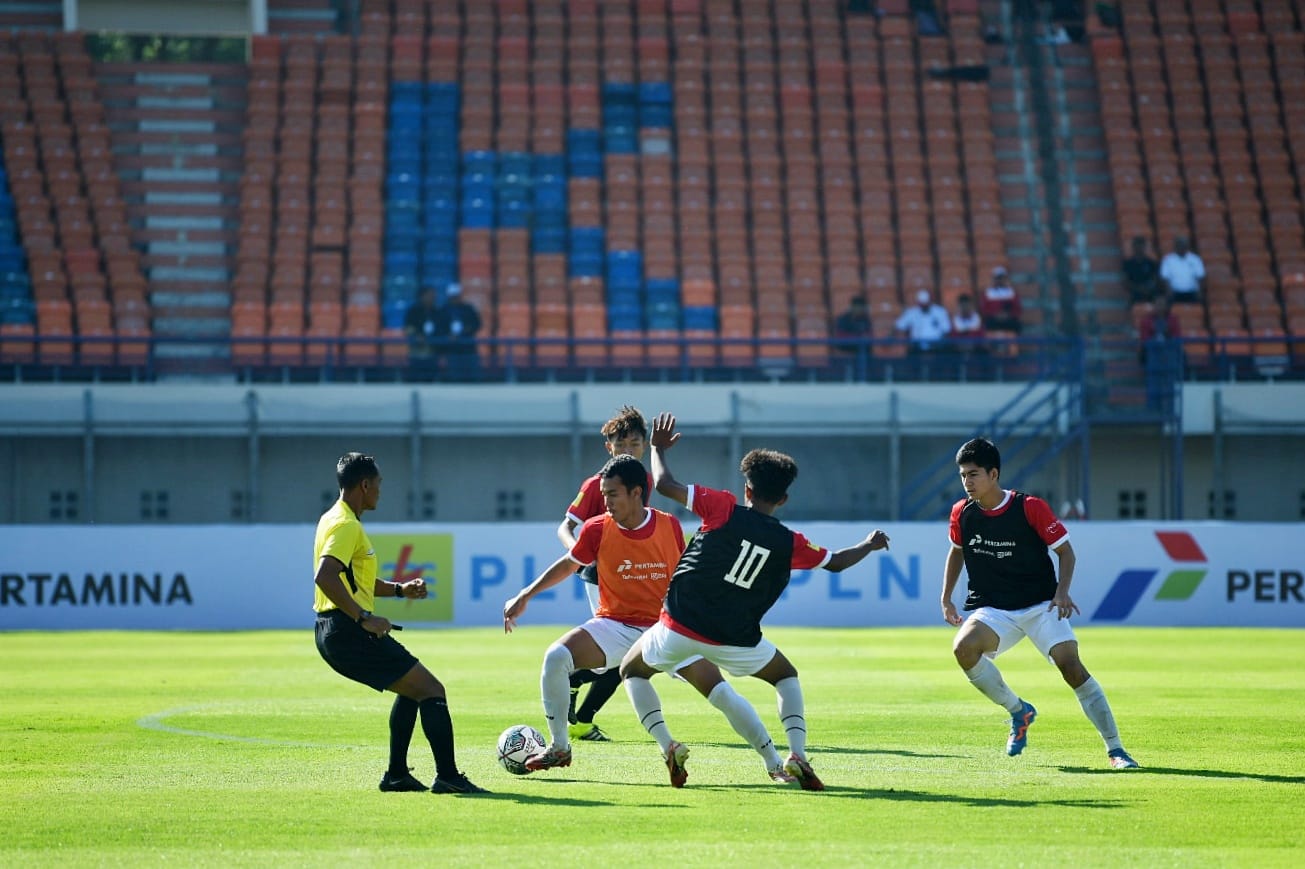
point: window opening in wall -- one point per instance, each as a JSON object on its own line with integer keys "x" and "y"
{"x": 1222, "y": 507}
{"x": 1132, "y": 503}
{"x": 510, "y": 504}
{"x": 154, "y": 504}
{"x": 64, "y": 505}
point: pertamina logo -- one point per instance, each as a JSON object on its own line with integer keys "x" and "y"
{"x": 1180, "y": 584}
{"x": 403, "y": 557}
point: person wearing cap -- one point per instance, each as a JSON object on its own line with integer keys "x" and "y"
{"x": 1183, "y": 273}
{"x": 457, "y": 323}
{"x": 925, "y": 323}
{"x": 1000, "y": 306}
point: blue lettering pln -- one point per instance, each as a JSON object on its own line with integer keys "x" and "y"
{"x": 528, "y": 576}
{"x": 890, "y": 574}
{"x": 486, "y": 571}
{"x": 837, "y": 592}
{"x": 1123, "y": 595}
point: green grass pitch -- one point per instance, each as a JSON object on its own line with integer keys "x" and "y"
{"x": 243, "y": 749}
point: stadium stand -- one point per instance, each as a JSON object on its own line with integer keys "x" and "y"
{"x": 1203, "y": 107}
{"x": 630, "y": 182}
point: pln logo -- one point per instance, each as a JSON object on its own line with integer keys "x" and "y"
{"x": 404, "y": 557}
{"x": 1181, "y": 583}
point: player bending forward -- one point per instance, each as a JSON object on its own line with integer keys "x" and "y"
{"x": 1002, "y": 537}
{"x": 635, "y": 549}
{"x": 729, "y": 576}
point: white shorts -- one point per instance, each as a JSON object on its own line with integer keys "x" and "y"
{"x": 1043, "y": 628}
{"x": 613, "y": 637}
{"x": 666, "y": 650}
{"x": 591, "y": 589}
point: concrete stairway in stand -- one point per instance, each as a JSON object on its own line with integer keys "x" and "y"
{"x": 176, "y": 132}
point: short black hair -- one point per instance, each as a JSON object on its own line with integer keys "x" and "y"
{"x": 353, "y": 468}
{"x": 628, "y": 421}
{"x": 629, "y": 470}
{"x": 769, "y": 473}
{"x": 981, "y": 452}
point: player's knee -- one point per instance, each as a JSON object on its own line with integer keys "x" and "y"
{"x": 558, "y": 657}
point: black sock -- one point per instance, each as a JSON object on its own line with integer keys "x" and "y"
{"x": 403, "y": 720}
{"x": 582, "y": 677}
{"x": 600, "y": 692}
{"x": 438, "y": 727}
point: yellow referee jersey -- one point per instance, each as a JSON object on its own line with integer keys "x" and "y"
{"x": 340, "y": 534}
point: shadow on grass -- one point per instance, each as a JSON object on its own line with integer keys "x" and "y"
{"x": 1195, "y": 773}
{"x": 537, "y": 799}
{"x": 817, "y": 750}
{"x": 909, "y": 796}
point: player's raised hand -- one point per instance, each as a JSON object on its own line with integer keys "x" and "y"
{"x": 664, "y": 435}
{"x": 512, "y": 610}
{"x": 877, "y": 540}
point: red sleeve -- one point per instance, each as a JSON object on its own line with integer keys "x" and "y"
{"x": 1039, "y": 514}
{"x": 807, "y": 555}
{"x": 585, "y": 550}
{"x": 588, "y": 501}
{"x": 679, "y": 530}
{"x": 713, "y": 506}
{"x": 954, "y": 523}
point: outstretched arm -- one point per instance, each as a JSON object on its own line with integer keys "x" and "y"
{"x": 664, "y": 436}
{"x": 845, "y": 558}
{"x": 556, "y": 572}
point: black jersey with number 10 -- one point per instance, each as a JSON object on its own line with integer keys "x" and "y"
{"x": 729, "y": 577}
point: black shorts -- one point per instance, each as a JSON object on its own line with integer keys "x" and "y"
{"x": 377, "y": 662}
{"x": 589, "y": 573}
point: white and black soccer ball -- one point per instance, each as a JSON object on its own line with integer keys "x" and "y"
{"x": 517, "y": 743}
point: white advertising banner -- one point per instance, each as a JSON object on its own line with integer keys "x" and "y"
{"x": 250, "y": 577}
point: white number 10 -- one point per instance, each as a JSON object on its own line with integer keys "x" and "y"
{"x": 748, "y": 565}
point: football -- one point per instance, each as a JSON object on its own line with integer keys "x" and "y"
{"x": 516, "y": 744}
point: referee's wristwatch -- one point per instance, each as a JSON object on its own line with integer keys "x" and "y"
{"x": 363, "y": 615}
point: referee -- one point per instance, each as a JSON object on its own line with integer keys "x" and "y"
{"x": 358, "y": 644}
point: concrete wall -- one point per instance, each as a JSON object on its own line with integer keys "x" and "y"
{"x": 518, "y": 453}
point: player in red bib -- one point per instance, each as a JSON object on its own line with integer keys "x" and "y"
{"x": 1001, "y": 537}
{"x": 625, "y": 433}
{"x": 731, "y": 573}
{"x": 635, "y": 549}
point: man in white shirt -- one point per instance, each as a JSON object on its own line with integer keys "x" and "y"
{"x": 925, "y": 323}
{"x": 1183, "y": 273}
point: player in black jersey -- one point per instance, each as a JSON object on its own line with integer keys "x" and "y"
{"x": 1001, "y": 537}
{"x": 731, "y": 573}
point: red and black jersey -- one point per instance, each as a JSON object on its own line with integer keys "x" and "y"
{"x": 733, "y": 571}
{"x": 1005, "y": 550}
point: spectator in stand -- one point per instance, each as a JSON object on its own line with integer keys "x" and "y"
{"x": 1000, "y": 307}
{"x": 1141, "y": 272}
{"x": 457, "y": 325}
{"x": 852, "y": 327}
{"x": 967, "y": 325}
{"x": 1161, "y": 354}
{"x": 421, "y": 325}
{"x": 925, "y": 323}
{"x": 1183, "y": 274}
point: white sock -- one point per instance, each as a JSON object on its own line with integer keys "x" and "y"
{"x": 792, "y": 714}
{"x": 745, "y": 721}
{"x": 1097, "y": 709}
{"x": 648, "y": 706}
{"x": 987, "y": 678}
{"x": 555, "y": 688}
